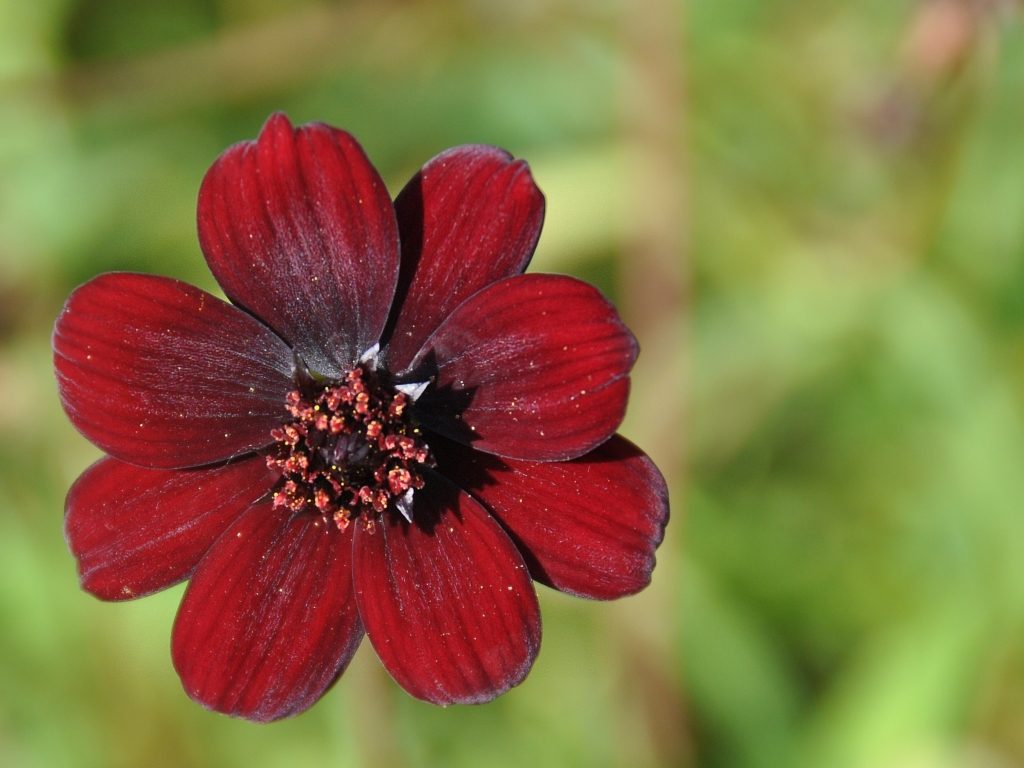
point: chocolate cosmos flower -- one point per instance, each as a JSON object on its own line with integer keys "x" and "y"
{"x": 389, "y": 429}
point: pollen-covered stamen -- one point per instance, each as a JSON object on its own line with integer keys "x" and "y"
{"x": 350, "y": 449}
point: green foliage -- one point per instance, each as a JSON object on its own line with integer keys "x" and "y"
{"x": 842, "y": 584}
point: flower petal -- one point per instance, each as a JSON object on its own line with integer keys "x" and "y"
{"x": 268, "y": 621}
{"x": 588, "y": 526}
{"x": 136, "y": 531}
{"x": 447, "y": 601}
{"x": 161, "y": 374}
{"x": 471, "y": 216}
{"x": 532, "y": 367}
{"x": 298, "y": 228}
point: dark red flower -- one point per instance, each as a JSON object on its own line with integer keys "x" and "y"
{"x": 390, "y": 427}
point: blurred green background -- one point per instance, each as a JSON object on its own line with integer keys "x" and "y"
{"x": 812, "y": 214}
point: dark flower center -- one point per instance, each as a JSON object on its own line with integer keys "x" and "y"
{"x": 350, "y": 449}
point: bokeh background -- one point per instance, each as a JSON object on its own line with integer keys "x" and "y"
{"x": 811, "y": 212}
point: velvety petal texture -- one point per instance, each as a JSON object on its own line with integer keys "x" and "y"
{"x": 313, "y": 492}
{"x": 447, "y": 601}
{"x": 269, "y": 620}
{"x": 161, "y": 374}
{"x": 471, "y": 216}
{"x": 135, "y": 531}
{"x": 298, "y": 228}
{"x": 532, "y": 367}
{"x": 588, "y": 526}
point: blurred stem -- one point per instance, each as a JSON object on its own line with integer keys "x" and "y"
{"x": 372, "y": 708}
{"x": 655, "y": 286}
{"x": 274, "y": 56}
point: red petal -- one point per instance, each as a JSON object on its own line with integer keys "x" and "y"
{"x": 268, "y": 621}
{"x": 588, "y": 526}
{"x": 532, "y": 367}
{"x": 136, "y": 531}
{"x": 161, "y": 374}
{"x": 298, "y": 228}
{"x": 447, "y": 601}
{"x": 471, "y": 216}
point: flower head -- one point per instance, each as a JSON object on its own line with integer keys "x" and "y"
{"x": 389, "y": 429}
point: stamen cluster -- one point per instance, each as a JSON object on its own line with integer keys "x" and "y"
{"x": 349, "y": 450}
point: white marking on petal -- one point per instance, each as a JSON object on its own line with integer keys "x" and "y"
{"x": 413, "y": 391}
{"x": 404, "y": 504}
{"x": 371, "y": 357}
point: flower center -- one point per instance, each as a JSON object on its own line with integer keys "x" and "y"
{"x": 350, "y": 449}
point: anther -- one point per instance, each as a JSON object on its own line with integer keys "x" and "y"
{"x": 350, "y": 449}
